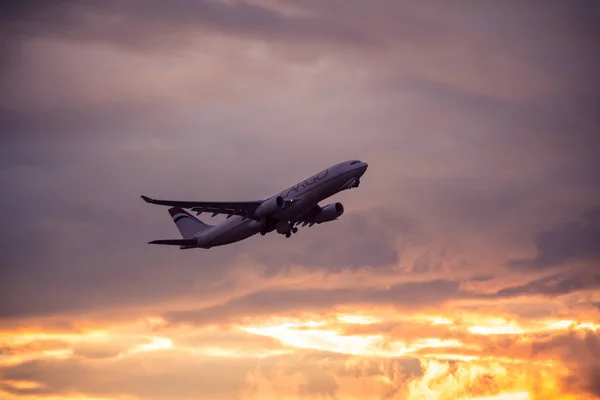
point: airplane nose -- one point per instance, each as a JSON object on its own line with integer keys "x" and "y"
{"x": 363, "y": 168}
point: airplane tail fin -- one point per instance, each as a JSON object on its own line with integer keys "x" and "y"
{"x": 188, "y": 225}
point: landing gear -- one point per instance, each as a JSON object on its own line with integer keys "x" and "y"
{"x": 289, "y": 233}
{"x": 351, "y": 184}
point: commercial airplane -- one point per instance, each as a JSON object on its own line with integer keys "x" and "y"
{"x": 282, "y": 212}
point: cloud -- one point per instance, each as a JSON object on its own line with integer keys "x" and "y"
{"x": 98, "y": 351}
{"x": 144, "y": 25}
{"x": 273, "y": 301}
{"x": 318, "y": 384}
{"x": 555, "y": 285}
{"x": 35, "y": 346}
{"x": 479, "y": 124}
{"x": 569, "y": 242}
{"x": 295, "y": 359}
{"x": 213, "y": 379}
{"x": 581, "y": 352}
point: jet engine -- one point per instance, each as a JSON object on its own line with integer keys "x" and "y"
{"x": 329, "y": 213}
{"x": 270, "y": 206}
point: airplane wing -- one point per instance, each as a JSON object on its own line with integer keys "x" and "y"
{"x": 241, "y": 208}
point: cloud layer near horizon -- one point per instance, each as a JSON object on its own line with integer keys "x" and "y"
{"x": 477, "y": 221}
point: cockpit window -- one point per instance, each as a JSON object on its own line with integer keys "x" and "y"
{"x": 354, "y": 162}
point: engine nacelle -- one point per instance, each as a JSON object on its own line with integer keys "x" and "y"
{"x": 270, "y": 206}
{"x": 329, "y": 213}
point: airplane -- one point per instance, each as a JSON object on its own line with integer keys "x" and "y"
{"x": 295, "y": 205}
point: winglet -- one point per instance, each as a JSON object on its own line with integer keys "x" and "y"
{"x": 147, "y": 199}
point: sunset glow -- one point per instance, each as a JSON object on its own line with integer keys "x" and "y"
{"x": 450, "y": 366}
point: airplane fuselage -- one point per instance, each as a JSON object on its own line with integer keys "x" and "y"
{"x": 302, "y": 197}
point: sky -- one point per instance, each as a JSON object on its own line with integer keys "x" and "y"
{"x": 466, "y": 266}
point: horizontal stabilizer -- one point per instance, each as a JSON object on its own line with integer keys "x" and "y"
{"x": 176, "y": 242}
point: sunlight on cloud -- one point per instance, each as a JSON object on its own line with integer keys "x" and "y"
{"x": 22, "y": 384}
{"x": 588, "y": 326}
{"x": 319, "y": 339}
{"x": 27, "y": 336}
{"x": 502, "y": 326}
{"x": 505, "y": 396}
{"x": 156, "y": 344}
{"x": 66, "y": 396}
{"x": 454, "y": 353}
{"x": 318, "y": 336}
{"x": 357, "y": 319}
{"x": 446, "y": 375}
{"x": 444, "y": 381}
{"x": 10, "y": 358}
{"x": 226, "y": 352}
{"x": 440, "y": 320}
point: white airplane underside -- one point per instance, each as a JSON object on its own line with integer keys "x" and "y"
{"x": 297, "y": 205}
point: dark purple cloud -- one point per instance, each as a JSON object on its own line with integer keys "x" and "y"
{"x": 154, "y": 24}
{"x": 573, "y": 241}
{"x": 555, "y": 285}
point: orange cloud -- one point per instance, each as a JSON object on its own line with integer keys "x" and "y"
{"x": 332, "y": 355}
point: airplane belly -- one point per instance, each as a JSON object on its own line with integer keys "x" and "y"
{"x": 237, "y": 233}
{"x": 303, "y": 206}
